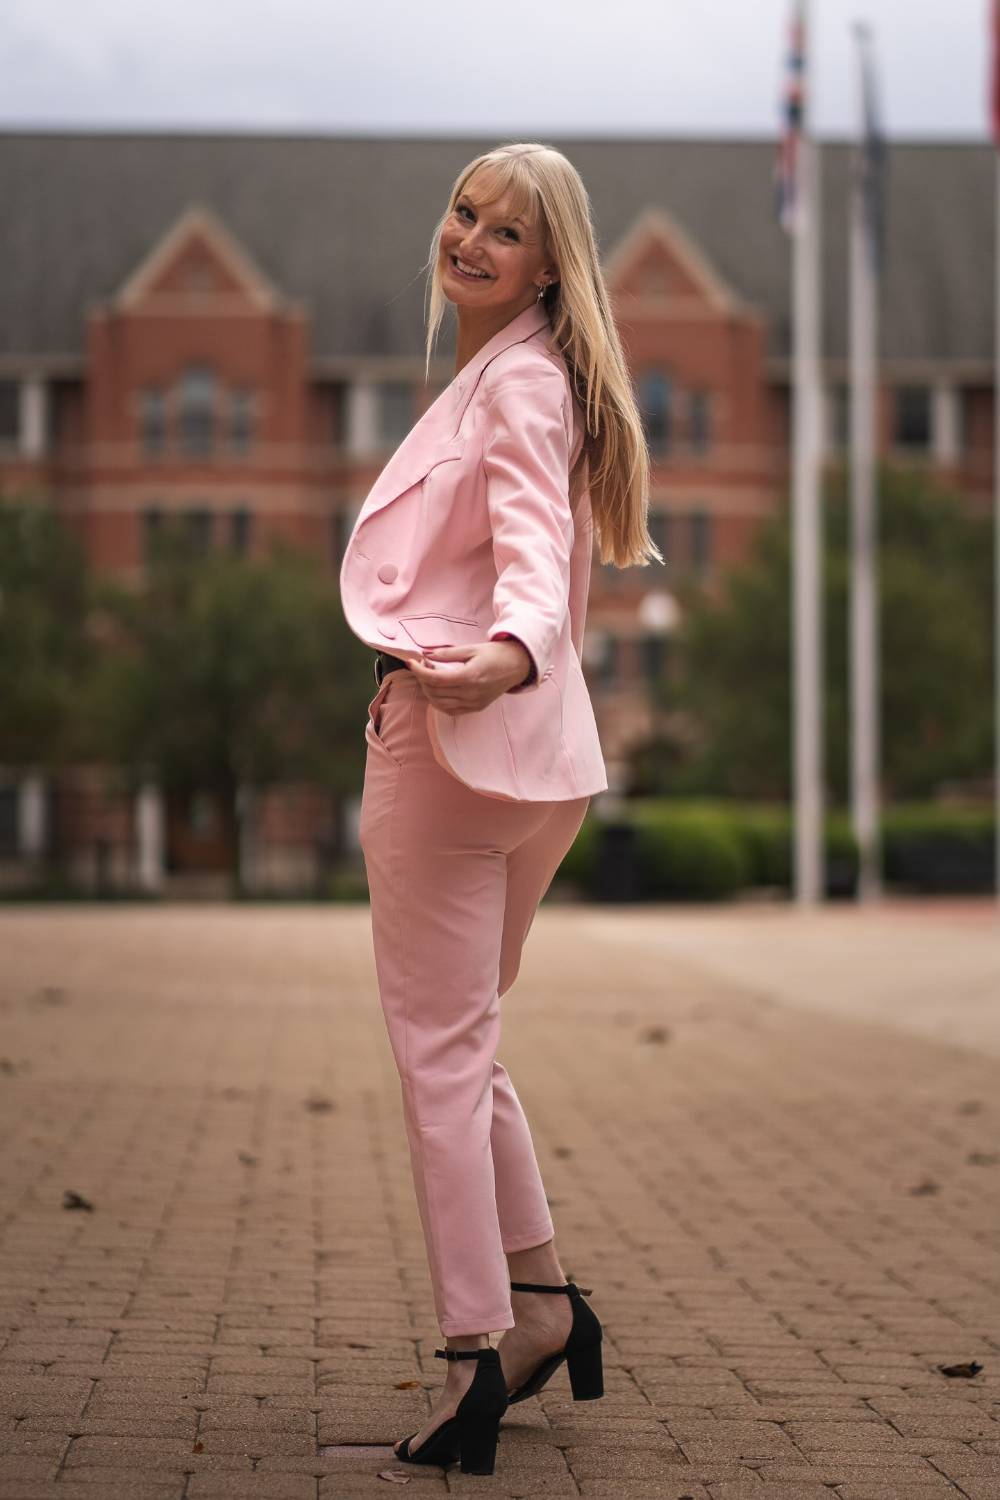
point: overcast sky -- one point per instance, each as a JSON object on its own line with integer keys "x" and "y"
{"x": 506, "y": 68}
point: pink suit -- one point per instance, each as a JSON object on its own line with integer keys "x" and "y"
{"x": 468, "y": 534}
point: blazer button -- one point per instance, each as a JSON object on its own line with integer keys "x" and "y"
{"x": 387, "y": 572}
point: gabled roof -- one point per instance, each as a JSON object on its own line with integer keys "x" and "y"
{"x": 198, "y": 229}
{"x": 344, "y": 225}
{"x": 656, "y": 234}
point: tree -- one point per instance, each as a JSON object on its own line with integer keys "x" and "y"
{"x": 225, "y": 672}
{"x": 935, "y": 620}
{"x": 44, "y": 650}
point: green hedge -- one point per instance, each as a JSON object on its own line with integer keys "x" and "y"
{"x": 711, "y": 849}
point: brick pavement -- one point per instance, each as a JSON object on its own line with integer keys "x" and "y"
{"x": 789, "y": 1219}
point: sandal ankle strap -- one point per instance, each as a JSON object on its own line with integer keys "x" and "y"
{"x": 464, "y": 1353}
{"x": 536, "y": 1286}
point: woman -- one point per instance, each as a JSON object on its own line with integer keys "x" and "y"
{"x": 467, "y": 571}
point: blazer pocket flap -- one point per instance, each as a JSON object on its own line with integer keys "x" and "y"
{"x": 442, "y": 630}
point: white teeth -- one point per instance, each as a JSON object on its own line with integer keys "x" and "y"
{"x": 470, "y": 270}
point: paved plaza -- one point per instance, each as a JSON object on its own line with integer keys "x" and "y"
{"x": 771, "y": 1143}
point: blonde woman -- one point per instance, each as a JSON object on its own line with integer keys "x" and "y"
{"x": 467, "y": 572}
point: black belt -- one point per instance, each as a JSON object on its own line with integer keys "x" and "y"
{"x": 385, "y": 663}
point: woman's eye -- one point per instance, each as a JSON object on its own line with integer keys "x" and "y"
{"x": 462, "y": 209}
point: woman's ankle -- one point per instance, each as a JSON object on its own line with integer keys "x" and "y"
{"x": 466, "y": 1341}
{"x": 540, "y": 1264}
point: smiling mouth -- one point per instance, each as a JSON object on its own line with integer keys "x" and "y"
{"x": 469, "y": 273}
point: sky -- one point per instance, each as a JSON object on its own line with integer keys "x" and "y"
{"x": 475, "y": 67}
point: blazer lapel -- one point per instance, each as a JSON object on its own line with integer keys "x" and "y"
{"x": 435, "y": 437}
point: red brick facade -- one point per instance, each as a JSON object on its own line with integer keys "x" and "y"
{"x": 199, "y": 393}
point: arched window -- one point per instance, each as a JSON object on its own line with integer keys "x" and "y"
{"x": 654, "y": 403}
{"x": 196, "y": 411}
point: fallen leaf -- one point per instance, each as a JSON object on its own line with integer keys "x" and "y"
{"x": 965, "y": 1372}
{"x": 319, "y": 1104}
{"x": 394, "y": 1476}
{"x": 928, "y": 1185}
{"x": 74, "y": 1200}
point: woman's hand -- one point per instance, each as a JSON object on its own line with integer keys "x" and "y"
{"x": 470, "y": 677}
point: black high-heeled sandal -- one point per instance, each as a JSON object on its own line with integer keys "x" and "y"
{"x": 581, "y": 1351}
{"x": 471, "y": 1435}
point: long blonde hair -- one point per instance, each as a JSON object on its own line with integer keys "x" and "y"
{"x": 614, "y": 459}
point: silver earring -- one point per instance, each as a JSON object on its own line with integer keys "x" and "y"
{"x": 541, "y": 291}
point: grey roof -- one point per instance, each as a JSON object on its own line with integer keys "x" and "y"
{"x": 344, "y": 224}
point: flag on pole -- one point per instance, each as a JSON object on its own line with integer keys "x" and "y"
{"x": 787, "y": 176}
{"x": 869, "y": 161}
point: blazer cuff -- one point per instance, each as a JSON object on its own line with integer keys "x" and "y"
{"x": 498, "y": 633}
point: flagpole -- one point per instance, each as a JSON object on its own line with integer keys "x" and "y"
{"x": 807, "y": 643}
{"x": 864, "y": 649}
{"x": 996, "y": 497}
{"x": 994, "y": 112}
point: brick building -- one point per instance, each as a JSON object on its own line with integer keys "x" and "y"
{"x": 231, "y": 328}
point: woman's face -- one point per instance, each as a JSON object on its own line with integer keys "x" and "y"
{"x": 509, "y": 252}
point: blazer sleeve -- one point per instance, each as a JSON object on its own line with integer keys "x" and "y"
{"x": 526, "y": 459}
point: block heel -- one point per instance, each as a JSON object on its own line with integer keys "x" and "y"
{"x": 586, "y": 1372}
{"x": 582, "y": 1350}
{"x": 472, "y": 1434}
{"x": 477, "y": 1443}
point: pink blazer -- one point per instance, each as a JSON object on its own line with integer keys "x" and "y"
{"x": 467, "y": 534}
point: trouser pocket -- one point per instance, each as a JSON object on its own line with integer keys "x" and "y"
{"x": 389, "y": 715}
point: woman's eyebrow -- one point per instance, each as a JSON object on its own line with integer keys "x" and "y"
{"x": 515, "y": 220}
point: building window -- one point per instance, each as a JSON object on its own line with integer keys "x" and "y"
{"x": 241, "y": 409}
{"x": 9, "y": 834}
{"x": 606, "y": 666}
{"x": 659, "y": 527}
{"x": 202, "y": 814}
{"x": 10, "y": 411}
{"x": 152, "y": 527}
{"x": 960, "y": 410}
{"x": 241, "y": 529}
{"x": 395, "y": 411}
{"x": 153, "y": 422}
{"x": 334, "y": 405}
{"x": 198, "y": 521}
{"x": 700, "y": 417}
{"x": 652, "y": 655}
{"x": 840, "y": 416}
{"x": 654, "y": 404}
{"x": 196, "y": 411}
{"x": 342, "y": 523}
{"x": 701, "y": 540}
{"x": 913, "y": 417}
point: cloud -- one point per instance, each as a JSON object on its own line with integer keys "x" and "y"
{"x": 707, "y": 67}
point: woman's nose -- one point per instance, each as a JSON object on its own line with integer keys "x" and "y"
{"x": 470, "y": 246}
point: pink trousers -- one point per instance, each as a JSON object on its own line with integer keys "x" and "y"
{"x": 455, "y": 879}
